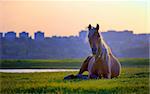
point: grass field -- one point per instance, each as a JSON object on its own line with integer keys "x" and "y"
{"x": 66, "y": 63}
{"x": 134, "y": 79}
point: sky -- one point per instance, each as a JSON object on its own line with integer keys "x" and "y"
{"x": 68, "y": 17}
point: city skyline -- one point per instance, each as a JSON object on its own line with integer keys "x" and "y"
{"x": 56, "y": 47}
{"x": 41, "y": 35}
{"x": 65, "y": 18}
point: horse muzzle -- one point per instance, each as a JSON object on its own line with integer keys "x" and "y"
{"x": 94, "y": 51}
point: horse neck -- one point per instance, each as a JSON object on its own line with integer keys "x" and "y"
{"x": 102, "y": 44}
{"x": 103, "y": 48}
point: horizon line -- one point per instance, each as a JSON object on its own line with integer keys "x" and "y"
{"x": 116, "y": 31}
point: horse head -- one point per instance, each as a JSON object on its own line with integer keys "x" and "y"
{"x": 94, "y": 38}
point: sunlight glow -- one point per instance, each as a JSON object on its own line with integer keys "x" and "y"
{"x": 68, "y": 17}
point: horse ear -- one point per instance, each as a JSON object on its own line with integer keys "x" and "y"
{"x": 89, "y": 27}
{"x": 97, "y": 27}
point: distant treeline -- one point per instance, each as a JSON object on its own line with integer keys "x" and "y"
{"x": 123, "y": 45}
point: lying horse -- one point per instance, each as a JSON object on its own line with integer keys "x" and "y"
{"x": 102, "y": 63}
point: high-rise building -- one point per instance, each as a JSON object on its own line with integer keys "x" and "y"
{"x": 1, "y": 35}
{"x": 10, "y": 35}
{"x": 24, "y": 35}
{"x": 39, "y": 35}
{"x": 83, "y": 34}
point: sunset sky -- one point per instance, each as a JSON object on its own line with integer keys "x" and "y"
{"x": 68, "y": 17}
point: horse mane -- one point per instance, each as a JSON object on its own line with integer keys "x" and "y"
{"x": 105, "y": 44}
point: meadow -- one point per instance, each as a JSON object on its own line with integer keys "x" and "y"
{"x": 62, "y": 64}
{"x": 134, "y": 79}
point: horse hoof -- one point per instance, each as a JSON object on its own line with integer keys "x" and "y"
{"x": 80, "y": 76}
{"x": 69, "y": 77}
{"x": 93, "y": 77}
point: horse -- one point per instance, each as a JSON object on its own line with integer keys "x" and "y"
{"x": 102, "y": 63}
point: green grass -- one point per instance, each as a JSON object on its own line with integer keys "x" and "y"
{"x": 134, "y": 79}
{"x": 131, "y": 81}
{"x": 66, "y": 63}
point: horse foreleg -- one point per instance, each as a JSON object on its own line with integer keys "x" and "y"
{"x": 82, "y": 69}
{"x": 84, "y": 66}
{"x": 107, "y": 76}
